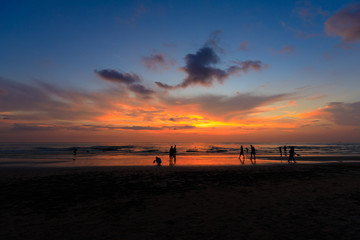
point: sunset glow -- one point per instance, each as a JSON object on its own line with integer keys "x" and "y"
{"x": 286, "y": 72}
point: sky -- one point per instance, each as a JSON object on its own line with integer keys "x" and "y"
{"x": 180, "y": 71}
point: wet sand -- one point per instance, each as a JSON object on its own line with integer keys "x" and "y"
{"x": 310, "y": 201}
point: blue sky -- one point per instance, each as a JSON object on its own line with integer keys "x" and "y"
{"x": 64, "y": 43}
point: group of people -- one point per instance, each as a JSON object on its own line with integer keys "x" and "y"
{"x": 292, "y": 154}
{"x": 252, "y": 154}
{"x": 172, "y": 157}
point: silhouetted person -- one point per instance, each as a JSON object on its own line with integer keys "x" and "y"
{"x": 74, "y": 152}
{"x": 157, "y": 160}
{"x": 242, "y": 153}
{"x": 285, "y": 152}
{"x": 292, "y": 154}
{"x": 171, "y": 152}
{"x": 253, "y": 153}
{"x": 174, "y": 154}
{"x": 247, "y": 150}
{"x": 280, "y": 151}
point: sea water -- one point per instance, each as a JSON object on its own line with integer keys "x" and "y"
{"x": 143, "y": 154}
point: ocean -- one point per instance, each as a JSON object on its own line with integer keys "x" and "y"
{"x": 143, "y": 154}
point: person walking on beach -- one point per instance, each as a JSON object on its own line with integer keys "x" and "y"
{"x": 285, "y": 153}
{"x": 253, "y": 153}
{"x": 242, "y": 153}
{"x": 292, "y": 154}
{"x": 280, "y": 151}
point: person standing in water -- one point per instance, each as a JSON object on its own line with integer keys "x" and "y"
{"x": 74, "y": 152}
{"x": 253, "y": 153}
{"x": 280, "y": 151}
{"x": 174, "y": 154}
{"x": 285, "y": 153}
{"x": 242, "y": 153}
{"x": 171, "y": 152}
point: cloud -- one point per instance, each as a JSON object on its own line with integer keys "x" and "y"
{"x": 3, "y": 92}
{"x": 89, "y": 127}
{"x": 345, "y": 23}
{"x": 34, "y": 127}
{"x": 154, "y": 61}
{"x": 286, "y": 49}
{"x": 138, "y": 12}
{"x": 344, "y": 113}
{"x": 130, "y": 80}
{"x": 140, "y": 89}
{"x": 225, "y": 107}
{"x": 201, "y": 70}
{"x": 244, "y": 46}
{"x": 316, "y": 97}
{"x": 115, "y": 76}
{"x": 169, "y": 45}
{"x": 245, "y": 66}
{"x": 42, "y": 101}
{"x": 214, "y": 41}
{"x": 139, "y": 128}
{"x": 307, "y": 11}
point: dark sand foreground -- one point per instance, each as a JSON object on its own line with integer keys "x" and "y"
{"x": 246, "y": 202}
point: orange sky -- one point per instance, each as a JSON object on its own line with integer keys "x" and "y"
{"x": 123, "y": 117}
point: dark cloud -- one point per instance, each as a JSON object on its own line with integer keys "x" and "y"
{"x": 33, "y": 127}
{"x": 344, "y": 113}
{"x": 140, "y": 128}
{"x": 130, "y": 80}
{"x": 154, "y": 61}
{"x": 345, "y": 23}
{"x": 175, "y": 127}
{"x": 140, "y": 89}
{"x": 201, "y": 70}
{"x": 4, "y": 117}
{"x": 179, "y": 127}
{"x": 286, "y": 49}
{"x": 115, "y": 76}
{"x": 166, "y": 86}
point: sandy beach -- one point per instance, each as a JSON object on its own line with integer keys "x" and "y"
{"x": 312, "y": 201}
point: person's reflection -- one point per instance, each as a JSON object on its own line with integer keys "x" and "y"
{"x": 171, "y": 162}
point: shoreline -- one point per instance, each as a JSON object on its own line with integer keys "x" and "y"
{"x": 182, "y": 161}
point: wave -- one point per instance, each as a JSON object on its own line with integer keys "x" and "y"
{"x": 52, "y": 149}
